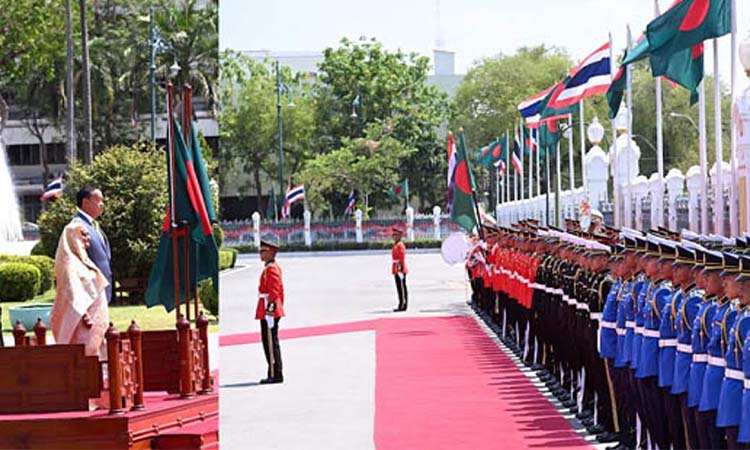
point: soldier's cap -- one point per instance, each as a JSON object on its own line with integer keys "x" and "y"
{"x": 668, "y": 232}
{"x": 683, "y": 256}
{"x": 641, "y": 245}
{"x": 712, "y": 261}
{"x": 271, "y": 243}
{"x": 667, "y": 252}
{"x": 700, "y": 258}
{"x": 731, "y": 266}
{"x": 397, "y": 229}
{"x": 740, "y": 243}
{"x": 689, "y": 235}
{"x": 744, "y": 274}
{"x": 629, "y": 243}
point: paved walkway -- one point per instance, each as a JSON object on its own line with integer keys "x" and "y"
{"x": 361, "y": 376}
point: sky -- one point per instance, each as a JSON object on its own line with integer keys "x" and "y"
{"x": 472, "y": 28}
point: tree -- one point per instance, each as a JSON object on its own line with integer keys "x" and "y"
{"x": 248, "y": 120}
{"x": 369, "y": 165}
{"x": 390, "y": 87}
{"x": 30, "y": 40}
{"x": 134, "y": 183}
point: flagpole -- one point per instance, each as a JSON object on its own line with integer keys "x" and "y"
{"x": 613, "y": 149}
{"x": 629, "y": 94}
{"x": 733, "y": 197}
{"x": 719, "y": 178}
{"x": 173, "y": 221}
{"x": 558, "y": 184}
{"x": 521, "y": 148}
{"x": 548, "y": 183}
{"x": 531, "y": 162}
{"x": 571, "y": 164}
{"x": 538, "y": 165}
{"x": 703, "y": 155}
{"x": 659, "y": 142}
{"x": 582, "y": 132}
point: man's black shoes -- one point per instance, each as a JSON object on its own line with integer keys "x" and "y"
{"x": 272, "y": 380}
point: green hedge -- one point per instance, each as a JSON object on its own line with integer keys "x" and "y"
{"x": 208, "y": 297}
{"x": 218, "y": 234}
{"x": 342, "y": 246}
{"x": 45, "y": 264}
{"x": 226, "y": 259}
{"x": 18, "y": 281}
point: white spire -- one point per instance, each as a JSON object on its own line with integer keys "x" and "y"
{"x": 439, "y": 39}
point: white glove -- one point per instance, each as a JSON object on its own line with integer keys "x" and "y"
{"x": 269, "y": 321}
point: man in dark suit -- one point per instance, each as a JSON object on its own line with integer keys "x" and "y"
{"x": 90, "y": 202}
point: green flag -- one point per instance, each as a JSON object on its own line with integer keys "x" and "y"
{"x": 491, "y": 153}
{"x": 687, "y": 24}
{"x": 400, "y": 190}
{"x": 684, "y": 68}
{"x": 463, "y": 211}
{"x": 192, "y": 205}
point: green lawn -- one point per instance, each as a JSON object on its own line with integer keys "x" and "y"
{"x": 156, "y": 318}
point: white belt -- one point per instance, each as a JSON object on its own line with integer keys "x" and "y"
{"x": 396, "y": 260}
{"x": 639, "y": 330}
{"x": 263, "y": 296}
{"x": 596, "y": 316}
{"x": 630, "y": 324}
{"x": 667, "y": 343}
{"x": 558, "y": 291}
{"x": 684, "y": 348}
{"x": 611, "y": 325}
{"x": 651, "y": 333}
{"x": 700, "y": 357}
{"x": 734, "y": 374}
{"x": 621, "y": 331}
{"x": 582, "y": 306}
{"x": 747, "y": 383}
{"x": 715, "y": 361}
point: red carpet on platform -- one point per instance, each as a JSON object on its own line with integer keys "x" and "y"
{"x": 443, "y": 384}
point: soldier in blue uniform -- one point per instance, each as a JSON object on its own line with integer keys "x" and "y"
{"x": 668, "y": 347}
{"x": 743, "y": 436}
{"x": 648, "y": 361}
{"x": 721, "y": 321}
{"x": 690, "y": 299}
{"x": 735, "y": 329}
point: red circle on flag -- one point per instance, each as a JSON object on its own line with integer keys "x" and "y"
{"x": 462, "y": 178}
{"x": 696, "y": 15}
{"x": 496, "y": 152}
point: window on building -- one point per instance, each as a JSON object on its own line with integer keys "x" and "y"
{"x": 32, "y": 208}
{"x": 56, "y": 153}
{"x": 23, "y": 155}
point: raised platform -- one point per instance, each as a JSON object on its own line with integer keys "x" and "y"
{"x": 184, "y": 420}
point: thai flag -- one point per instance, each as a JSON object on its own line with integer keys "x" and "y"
{"x": 591, "y": 77}
{"x": 292, "y": 195}
{"x": 351, "y": 202}
{"x": 531, "y": 142}
{"x": 515, "y": 158}
{"x": 530, "y": 108}
{"x": 500, "y": 164}
{"x": 452, "y": 158}
{"x": 54, "y": 189}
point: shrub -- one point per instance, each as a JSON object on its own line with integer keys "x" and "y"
{"x": 209, "y": 297}
{"x": 218, "y": 235}
{"x": 18, "y": 281}
{"x": 226, "y": 259}
{"x": 39, "y": 249}
{"x": 234, "y": 252}
{"x": 134, "y": 183}
{"x": 45, "y": 264}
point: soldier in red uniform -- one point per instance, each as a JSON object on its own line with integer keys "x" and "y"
{"x": 398, "y": 268}
{"x": 270, "y": 310}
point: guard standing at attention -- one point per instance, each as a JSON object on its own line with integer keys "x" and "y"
{"x": 398, "y": 268}
{"x": 270, "y": 310}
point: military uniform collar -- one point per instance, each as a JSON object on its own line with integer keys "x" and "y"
{"x": 268, "y": 263}
{"x": 688, "y": 288}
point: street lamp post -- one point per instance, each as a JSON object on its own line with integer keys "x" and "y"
{"x": 281, "y": 87}
{"x": 157, "y": 45}
{"x": 357, "y": 105}
{"x": 685, "y": 116}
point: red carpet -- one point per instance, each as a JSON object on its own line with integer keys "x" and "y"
{"x": 443, "y": 384}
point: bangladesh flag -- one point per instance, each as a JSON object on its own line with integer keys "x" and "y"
{"x": 193, "y": 205}
{"x": 463, "y": 211}
{"x": 549, "y": 112}
{"x": 491, "y": 153}
{"x": 687, "y": 24}
{"x": 400, "y": 190}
